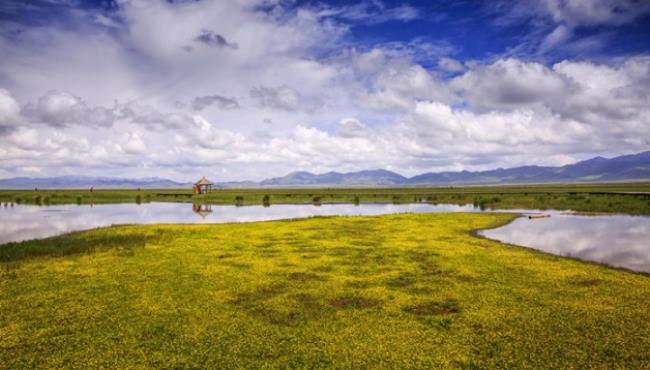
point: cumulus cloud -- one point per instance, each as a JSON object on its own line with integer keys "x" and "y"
{"x": 331, "y": 106}
{"x": 511, "y": 83}
{"x": 9, "y": 112}
{"x": 578, "y": 13}
{"x": 59, "y": 109}
{"x": 600, "y": 95}
{"x": 222, "y": 102}
{"x": 212, "y": 38}
{"x": 559, "y": 21}
{"x": 393, "y": 83}
{"x": 351, "y": 127}
{"x": 152, "y": 118}
{"x": 450, "y": 65}
{"x": 282, "y": 97}
{"x": 106, "y": 21}
{"x": 132, "y": 143}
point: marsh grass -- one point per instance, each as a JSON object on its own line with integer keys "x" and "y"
{"x": 388, "y": 292}
{"x": 633, "y": 198}
{"x": 75, "y": 243}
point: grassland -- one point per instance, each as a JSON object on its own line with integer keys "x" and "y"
{"x": 394, "y": 292}
{"x": 632, "y": 198}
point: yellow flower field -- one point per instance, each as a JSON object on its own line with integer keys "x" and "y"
{"x": 395, "y": 292}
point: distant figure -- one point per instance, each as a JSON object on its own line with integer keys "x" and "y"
{"x": 12, "y": 204}
{"x": 35, "y": 189}
{"x": 91, "y": 189}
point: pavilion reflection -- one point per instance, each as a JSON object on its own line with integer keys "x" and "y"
{"x": 202, "y": 210}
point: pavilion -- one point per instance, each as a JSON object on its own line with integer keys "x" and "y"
{"x": 202, "y": 186}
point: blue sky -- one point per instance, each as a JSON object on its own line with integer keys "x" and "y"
{"x": 248, "y": 89}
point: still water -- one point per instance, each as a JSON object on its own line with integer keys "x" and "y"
{"x": 616, "y": 240}
{"x": 23, "y": 222}
{"x": 622, "y": 241}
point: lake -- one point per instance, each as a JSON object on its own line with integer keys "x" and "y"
{"x": 617, "y": 240}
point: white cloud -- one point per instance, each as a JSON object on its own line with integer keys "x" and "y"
{"x": 282, "y": 97}
{"x": 61, "y": 108}
{"x": 395, "y": 83}
{"x": 133, "y": 144}
{"x": 222, "y": 102}
{"x": 150, "y": 117}
{"x": 369, "y": 11}
{"x": 559, "y": 35}
{"x": 9, "y": 112}
{"x": 559, "y": 21}
{"x": 351, "y": 127}
{"x": 510, "y": 83}
{"x": 304, "y": 99}
{"x": 577, "y": 13}
{"x": 450, "y": 65}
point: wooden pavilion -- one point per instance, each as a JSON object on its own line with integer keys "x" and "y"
{"x": 202, "y": 186}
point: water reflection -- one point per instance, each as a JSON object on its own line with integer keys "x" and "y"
{"x": 615, "y": 240}
{"x": 622, "y": 241}
{"x": 24, "y": 222}
{"x": 202, "y": 210}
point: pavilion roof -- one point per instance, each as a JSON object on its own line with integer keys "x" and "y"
{"x": 204, "y": 181}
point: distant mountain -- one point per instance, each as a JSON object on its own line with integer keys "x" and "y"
{"x": 632, "y": 167}
{"x": 599, "y": 169}
{"x": 369, "y": 178}
{"x": 76, "y": 182}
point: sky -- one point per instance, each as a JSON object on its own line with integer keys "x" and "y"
{"x": 252, "y": 89}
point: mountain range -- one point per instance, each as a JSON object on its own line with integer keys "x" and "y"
{"x": 76, "y": 182}
{"x": 599, "y": 169}
{"x": 634, "y": 167}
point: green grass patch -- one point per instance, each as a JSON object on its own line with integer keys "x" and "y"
{"x": 632, "y": 198}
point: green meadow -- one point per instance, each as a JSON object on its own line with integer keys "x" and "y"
{"x": 388, "y": 292}
{"x": 632, "y": 198}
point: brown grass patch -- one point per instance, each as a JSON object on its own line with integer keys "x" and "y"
{"x": 239, "y": 265}
{"x": 307, "y": 301}
{"x": 359, "y": 284}
{"x": 402, "y": 280}
{"x": 323, "y": 268}
{"x": 275, "y": 317}
{"x": 305, "y": 276}
{"x": 354, "y": 302}
{"x": 247, "y": 299}
{"x": 589, "y": 282}
{"x": 434, "y": 308}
